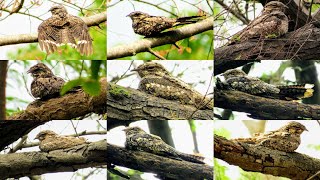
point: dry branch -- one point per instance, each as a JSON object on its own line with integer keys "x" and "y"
{"x": 131, "y": 104}
{"x": 264, "y": 108}
{"x": 66, "y": 160}
{"x": 162, "y": 166}
{"x": 94, "y": 20}
{"x": 261, "y": 159}
{"x": 69, "y": 106}
{"x": 170, "y": 37}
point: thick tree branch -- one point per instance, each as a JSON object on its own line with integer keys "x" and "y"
{"x": 264, "y": 160}
{"x": 94, "y": 20}
{"x": 69, "y": 106}
{"x": 264, "y": 108}
{"x": 162, "y": 166}
{"x": 3, "y": 79}
{"x": 221, "y": 66}
{"x": 170, "y": 37}
{"x": 131, "y": 104}
{"x": 66, "y": 160}
{"x": 301, "y": 44}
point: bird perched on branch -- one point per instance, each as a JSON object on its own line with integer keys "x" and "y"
{"x": 62, "y": 28}
{"x": 50, "y": 141}
{"x": 286, "y": 138}
{"x": 272, "y": 23}
{"x": 238, "y": 80}
{"x": 45, "y": 84}
{"x": 157, "y": 81}
{"x": 147, "y": 25}
{"x": 138, "y": 140}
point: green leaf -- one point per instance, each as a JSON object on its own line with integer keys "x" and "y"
{"x": 92, "y": 87}
{"x": 95, "y": 67}
{"x": 70, "y": 84}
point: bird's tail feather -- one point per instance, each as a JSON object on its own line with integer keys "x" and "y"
{"x": 192, "y": 158}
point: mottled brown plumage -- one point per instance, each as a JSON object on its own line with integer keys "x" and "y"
{"x": 50, "y": 141}
{"x": 286, "y": 138}
{"x": 238, "y": 80}
{"x": 157, "y": 81}
{"x": 272, "y": 23}
{"x": 63, "y": 28}
{"x": 138, "y": 140}
{"x": 45, "y": 84}
{"x": 147, "y": 25}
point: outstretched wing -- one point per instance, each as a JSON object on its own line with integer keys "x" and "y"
{"x": 80, "y": 31}
{"x": 49, "y": 36}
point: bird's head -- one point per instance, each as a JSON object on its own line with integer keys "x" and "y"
{"x": 233, "y": 73}
{"x": 40, "y": 70}
{"x": 137, "y": 15}
{"x": 273, "y": 6}
{"x": 294, "y": 127}
{"x": 45, "y": 134}
{"x": 151, "y": 68}
{"x": 133, "y": 130}
{"x": 58, "y": 9}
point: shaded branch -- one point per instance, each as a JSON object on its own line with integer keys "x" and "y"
{"x": 65, "y": 160}
{"x": 169, "y": 37}
{"x": 3, "y": 79}
{"x": 301, "y": 44}
{"x": 94, "y": 20}
{"x": 221, "y": 66}
{"x": 131, "y": 104}
{"x": 10, "y": 131}
{"x": 264, "y": 160}
{"x": 69, "y": 106}
{"x": 162, "y": 166}
{"x": 264, "y": 108}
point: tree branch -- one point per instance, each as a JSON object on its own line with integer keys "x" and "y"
{"x": 131, "y": 104}
{"x": 169, "y": 37}
{"x": 162, "y": 166}
{"x": 94, "y": 20}
{"x": 221, "y": 66}
{"x": 264, "y": 108}
{"x": 69, "y": 106}
{"x": 3, "y": 79}
{"x": 65, "y": 160}
{"x": 264, "y": 160}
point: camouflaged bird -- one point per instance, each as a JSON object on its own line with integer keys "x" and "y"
{"x": 147, "y": 25}
{"x": 238, "y": 80}
{"x": 157, "y": 81}
{"x": 272, "y": 23}
{"x": 286, "y": 139}
{"x": 50, "y": 141}
{"x": 62, "y": 28}
{"x": 138, "y": 140}
{"x": 45, "y": 84}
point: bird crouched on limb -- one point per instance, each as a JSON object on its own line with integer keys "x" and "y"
{"x": 236, "y": 79}
{"x": 138, "y": 140}
{"x": 45, "y": 84}
{"x": 286, "y": 138}
{"x": 157, "y": 81}
{"x": 271, "y": 23}
{"x": 147, "y": 25}
{"x": 62, "y": 28}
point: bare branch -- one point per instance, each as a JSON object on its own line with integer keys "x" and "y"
{"x": 131, "y": 104}
{"x": 169, "y": 37}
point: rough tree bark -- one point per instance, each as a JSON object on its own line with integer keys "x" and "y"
{"x": 261, "y": 159}
{"x": 264, "y": 108}
{"x": 170, "y": 37}
{"x": 131, "y": 104}
{"x": 3, "y": 79}
{"x": 93, "y": 20}
{"x": 69, "y": 106}
{"x": 162, "y": 166}
{"x": 66, "y": 160}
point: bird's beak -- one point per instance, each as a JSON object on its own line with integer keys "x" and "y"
{"x": 135, "y": 69}
{"x": 36, "y": 138}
